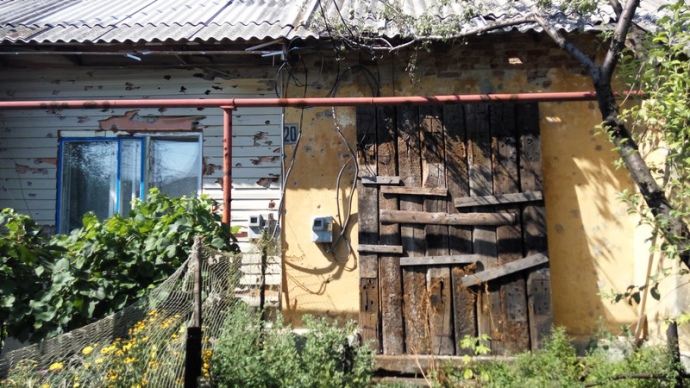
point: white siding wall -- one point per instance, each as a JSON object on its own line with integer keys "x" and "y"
{"x": 29, "y": 138}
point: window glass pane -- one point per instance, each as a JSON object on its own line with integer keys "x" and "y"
{"x": 130, "y": 173}
{"x": 175, "y": 165}
{"x": 89, "y": 179}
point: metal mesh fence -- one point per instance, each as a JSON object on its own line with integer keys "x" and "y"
{"x": 143, "y": 344}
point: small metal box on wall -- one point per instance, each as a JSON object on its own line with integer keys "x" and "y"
{"x": 322, "y": 229}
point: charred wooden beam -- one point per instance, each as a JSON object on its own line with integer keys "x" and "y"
{"x": 400, "y": 190}
{"x": 380, "y": 180}
{"x": 439, "y": 260}
{"x": 391, "y": 249}
{"x": 416, "y": 217}
{"x": 499, "y": 199}
{"x": 506, "y": 269}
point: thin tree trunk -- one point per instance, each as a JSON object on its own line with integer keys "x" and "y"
{"x": 674, "y": 230}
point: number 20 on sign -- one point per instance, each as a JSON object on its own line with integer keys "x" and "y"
{"x": 290, "y": 133}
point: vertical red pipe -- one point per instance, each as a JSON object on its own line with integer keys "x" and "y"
{"x": 227, "y": 162}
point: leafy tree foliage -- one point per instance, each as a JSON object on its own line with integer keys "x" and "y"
{"x": 659, "y": 66}
{"x": 50, "y": 284}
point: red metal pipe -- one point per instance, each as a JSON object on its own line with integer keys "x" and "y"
{"x": 227, "y": 162}
{"x": 230, "y": 104}
{"x": 299, "y": 102}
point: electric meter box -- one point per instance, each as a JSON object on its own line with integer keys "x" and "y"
{"x": 256, "y": 225}
{"x": 322, "y": 229}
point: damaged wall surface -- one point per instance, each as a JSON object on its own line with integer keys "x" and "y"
{"x": 594, "y": 244}
{"x": 29, "y": 138}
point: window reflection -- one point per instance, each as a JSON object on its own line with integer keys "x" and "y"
{"x": 105, "y": 175}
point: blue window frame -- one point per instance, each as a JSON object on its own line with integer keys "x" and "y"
{"x": 104, "y": 175}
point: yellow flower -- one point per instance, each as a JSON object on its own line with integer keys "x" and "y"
{"x": 76, "y": 385}
{"x": 98, "y": 361}
{"x": 45, "y": 386}
{"x": 130, "y": 360}
{"x": 87, "y": 365}
{"x": 55, "y": 366}
{"x": 87, "y": 350}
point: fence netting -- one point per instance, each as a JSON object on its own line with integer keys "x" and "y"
{"x": 143, "y": 344}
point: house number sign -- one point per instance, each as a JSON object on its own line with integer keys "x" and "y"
{"x": 290, "y": 133}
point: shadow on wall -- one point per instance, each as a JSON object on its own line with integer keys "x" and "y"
{"x": 306, "y": 280}
{"x": 591, "y": 240}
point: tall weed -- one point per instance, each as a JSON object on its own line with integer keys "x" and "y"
{"x": 250, "y": 354}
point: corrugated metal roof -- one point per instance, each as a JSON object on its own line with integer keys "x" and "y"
{"x": 115, "y": 21}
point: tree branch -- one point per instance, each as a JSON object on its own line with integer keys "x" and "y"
{"x": 568, "y": 47}
{"x": 618, "y": 39}
{"x": 617, "y": 7}
{"x": 473, "y": 32}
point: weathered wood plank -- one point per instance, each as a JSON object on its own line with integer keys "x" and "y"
{"x": 439, "y": 260}
{"x": 459, "y": 237}
{"x": 391, "y": 249}
{"x": 438, "y": 277}
{"x": 540, "y": 310}
{"x": 368, "y": 225}
{"x": 380, "y": 180}
{"x": 390, "y": 274}
{"x": 417, "y": 217}
{"x": 505, "y": 269}
{"x": 501, "y": 199}
{"x": 369, "y": 311}
{"x": 534, "y": 220}
{"x": 412, "y": 236}
{"x": 481, "y": 184}
{"x": 510, "y": 333}
{"x": 435, "y": 191}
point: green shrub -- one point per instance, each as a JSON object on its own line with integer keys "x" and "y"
{"x": 67, "y": 281}
{"x": 248, "y": 354}
{"x": 27, "y": 259}
{"x": 557, "y": 365}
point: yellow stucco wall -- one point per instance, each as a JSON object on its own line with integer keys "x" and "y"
{"x": 595, "y": 247}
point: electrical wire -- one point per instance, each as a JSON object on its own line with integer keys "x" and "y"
{"x": 353, "y": 158}
{"x": 286, "y": 173}
{"x": 375, "y": 86}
